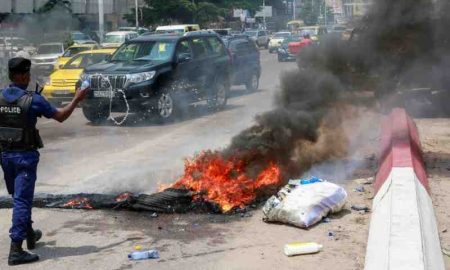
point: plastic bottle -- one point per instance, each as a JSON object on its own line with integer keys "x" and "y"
{"x": 143, "y": 255}
{"x": 301, "y": 248}
{"x": 85, "y": 85}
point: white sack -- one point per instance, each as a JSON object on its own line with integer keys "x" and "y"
{"x": 304, "y": 205}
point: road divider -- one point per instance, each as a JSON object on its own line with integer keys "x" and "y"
{"x": 403, "y": 231}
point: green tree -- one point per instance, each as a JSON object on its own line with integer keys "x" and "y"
{"x": 189, "y": 11}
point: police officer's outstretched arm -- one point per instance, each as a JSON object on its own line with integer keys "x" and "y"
{"x": 62, "y": 114}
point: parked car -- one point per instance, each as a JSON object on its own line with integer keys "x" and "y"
{"x": 72, "y": 51}
{"x": 283, "y": 52}
{"x": 276, "y": 40}
{"x": 246, "y": 65}
{"x": 160, "y": 74}
{"x": 260, "y": 37}
{"x": 45, "y": 59}
{"x": 117, "y": 38}
{"x": 177, "y": 29}
{"x": 61, "y": 85}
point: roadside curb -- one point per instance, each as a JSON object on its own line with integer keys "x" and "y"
{"x": 403, "y": 231}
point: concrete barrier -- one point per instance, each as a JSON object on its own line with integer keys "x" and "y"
{"x": 403, "y": 231}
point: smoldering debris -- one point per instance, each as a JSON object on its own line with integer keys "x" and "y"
{"x": 168, "y": 201}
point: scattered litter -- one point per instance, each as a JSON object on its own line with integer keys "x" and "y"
{"x": 360, "y": 208}
{"x": 137, "y": 247}
{"x": 360, "y": 189}
{"x": 160, "y": 228}
{"x": 144, "y": 255}
{"x": 365, "y": 181}
{"x": 331, "y": 233}
{"x": 154, "y": 215}
{"x": 326, "y": 220}
{"x": 444, "y": 230}
{"x": 304, "y": 205}
{"x": 301, "y": 248}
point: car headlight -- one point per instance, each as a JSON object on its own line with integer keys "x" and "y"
{"x": 140, "y": 77}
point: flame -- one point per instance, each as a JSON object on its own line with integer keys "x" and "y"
{"x": 225, "y": 181}
{"x": 123, "y": 197}
{"x": 78, "y": 203}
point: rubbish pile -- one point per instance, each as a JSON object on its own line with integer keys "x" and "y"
{"x": 303, "y": 203}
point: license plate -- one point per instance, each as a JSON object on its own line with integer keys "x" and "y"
{"x": 102, "y": 94}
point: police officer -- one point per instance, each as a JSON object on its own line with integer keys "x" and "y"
{"x": 19, "y": 142}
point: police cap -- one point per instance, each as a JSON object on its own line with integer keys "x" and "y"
{"x": 19, "y": 65}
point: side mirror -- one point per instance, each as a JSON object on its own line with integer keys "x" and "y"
{"x": 60, "y": 66}
{"x": 108, "y": 58}
{"x": 184, "y": 57}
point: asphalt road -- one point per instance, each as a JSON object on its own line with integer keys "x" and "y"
{"x": 137, "y": 156}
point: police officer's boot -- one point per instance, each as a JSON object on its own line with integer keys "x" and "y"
{"x": 32, "y": 237}
{"x": 18, "y": 256}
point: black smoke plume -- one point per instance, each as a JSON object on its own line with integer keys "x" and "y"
{"x": 398, "y": 44}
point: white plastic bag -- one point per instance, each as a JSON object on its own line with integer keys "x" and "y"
{"x": 304, "y": 205}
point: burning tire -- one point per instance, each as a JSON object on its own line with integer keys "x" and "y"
{"x": 253, "y": 82}
{"x": 95, "y": 115}
{"x": 217, "y": 100}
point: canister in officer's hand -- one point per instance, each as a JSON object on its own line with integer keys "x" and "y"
{"x": 85, "y": 85}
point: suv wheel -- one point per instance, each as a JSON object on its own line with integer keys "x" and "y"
{"x": 166, "y": 106}
{"x": 267, "y": 45}
{"x": 218, "y": 99}
{"x": 96, "y": 115}
{"x": 253, "y": 82}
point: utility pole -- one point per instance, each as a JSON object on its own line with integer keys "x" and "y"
{"x": 293, "y": 9}
{"x": 325, "y": 12}
{"x": 264, "y": 14}
{"x": 137, "y": 16}
{"x": 101, "y": 20}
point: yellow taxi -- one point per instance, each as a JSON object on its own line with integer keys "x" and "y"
{"x": 61, "y": 85}
{"x": 72, "y": 51}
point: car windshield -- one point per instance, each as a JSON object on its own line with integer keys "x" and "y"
{"x": 281, "y": 35}
{"x": 80, "y": 36}
{"x": 49, "y": 49}
{"x": 76, "y": 50}
{"x": 251, "y": 33}
{"x": 114, "y": 39}
{"x": 148, "y": 51}
{"x": 84, "y": 60}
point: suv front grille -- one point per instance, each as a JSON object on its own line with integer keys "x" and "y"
{"x": 104, "y": 82}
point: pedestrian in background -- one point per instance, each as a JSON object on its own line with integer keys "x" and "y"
{"x": 19, "y": 144}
